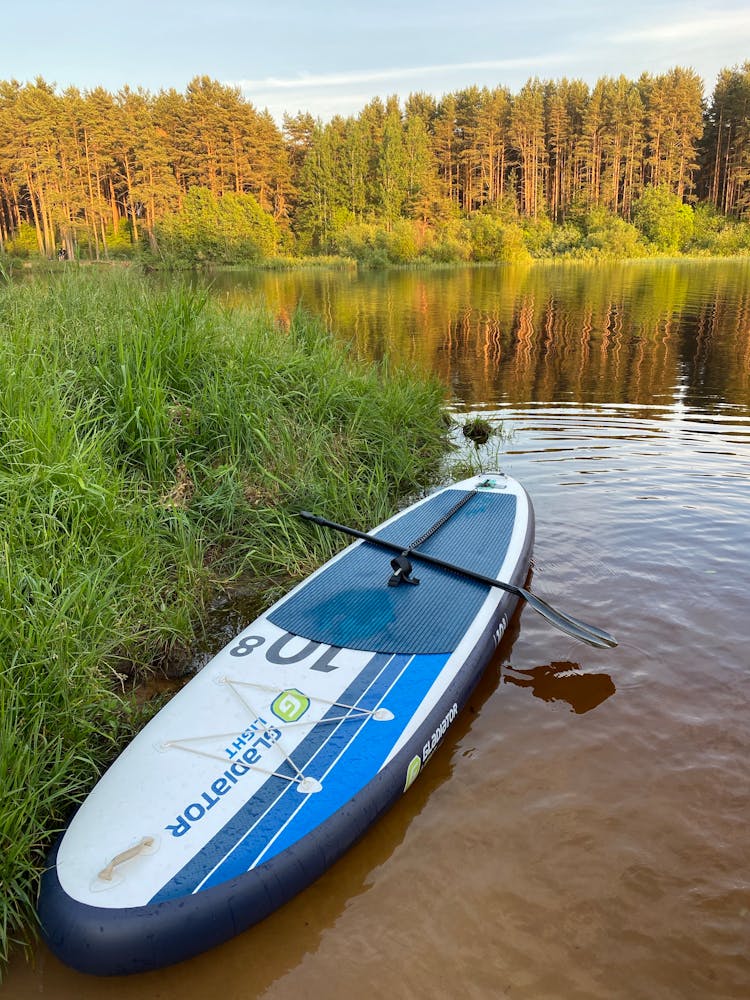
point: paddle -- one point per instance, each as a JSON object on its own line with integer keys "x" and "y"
{"x": 566, "y": 623}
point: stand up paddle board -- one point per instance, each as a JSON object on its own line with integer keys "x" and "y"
{"x": 291, "y": 742}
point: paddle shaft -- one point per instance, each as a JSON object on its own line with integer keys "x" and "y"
{"x": 395, "y": 547}
{"x": 578, "y": 629}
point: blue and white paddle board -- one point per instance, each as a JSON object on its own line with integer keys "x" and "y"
{"x": 289, "y": 744}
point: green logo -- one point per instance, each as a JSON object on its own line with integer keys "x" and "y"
{"x": 412, "y": 771}
{"x": 290, "y": 705}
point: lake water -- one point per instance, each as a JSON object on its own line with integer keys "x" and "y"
{"x": 583, "y": 831}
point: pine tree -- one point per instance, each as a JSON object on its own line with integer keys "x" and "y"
{"x": 422, "y": 185}
{"x": 148, "y": 162}
{"x": 392, "y": 171}
{"x": 528, "y": 136}
{"x": 674, "y": 123}
{"x": 317, "y": 192}
{"x": 726, "y": 143}
{"x": 355, "y": 159}
{"x": 446, "y": 149}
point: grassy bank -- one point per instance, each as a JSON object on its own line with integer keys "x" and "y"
{"x": 153, "y": 445}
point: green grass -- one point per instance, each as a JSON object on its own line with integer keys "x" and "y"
{"x": 154, "y": 446}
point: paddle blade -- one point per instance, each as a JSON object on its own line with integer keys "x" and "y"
{"x": 579, "y": 630}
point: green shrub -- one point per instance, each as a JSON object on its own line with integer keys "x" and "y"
{"x": 24, "y": 242}
{"x": 230, "y": 229}
{"x": 610, "y": 236}
{"x": 402, "y": 243}
{"x": 537, "y": 232}
{"x": 493, "y": 239}
{"x": 714, "y": 233}
{"x": 664, "y": 219}
{"x": 356, "y": 240}
{"x": 119, "y": 239}
{"x": 563, "y": 241}
{"x": 448, "y": 249}
{"x": 449, "y": 242}
{"x": 378, "y": 246}
{"x": 486, "y": 234}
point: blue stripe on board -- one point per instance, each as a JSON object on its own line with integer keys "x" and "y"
{"x": 343, "y": 764}
{"x": 350, "y": 605}
{"x": 198, "y": 868}
{"x": 369, "y": 748}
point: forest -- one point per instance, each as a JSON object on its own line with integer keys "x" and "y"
{"x": 622, "y": 168}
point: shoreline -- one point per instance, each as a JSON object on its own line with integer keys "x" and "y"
{"x": 325, "y": 263}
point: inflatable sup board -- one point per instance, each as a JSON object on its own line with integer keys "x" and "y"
{"x": 291, "y": 742}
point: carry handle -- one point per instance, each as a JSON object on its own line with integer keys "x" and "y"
{"x": 132, "y": 852}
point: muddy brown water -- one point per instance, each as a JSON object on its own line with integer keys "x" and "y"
{"x": 584, "y": 830}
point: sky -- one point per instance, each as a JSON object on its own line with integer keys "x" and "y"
{"x": 331, "y": 58}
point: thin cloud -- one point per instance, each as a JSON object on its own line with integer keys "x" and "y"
{"x": 727, "y": 23}
{"x": 322, "y": 80}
